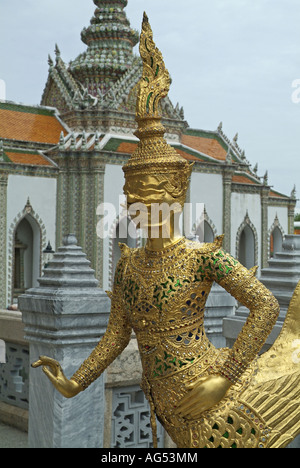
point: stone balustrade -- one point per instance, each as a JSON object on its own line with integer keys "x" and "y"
{"x": 14, "y": 370}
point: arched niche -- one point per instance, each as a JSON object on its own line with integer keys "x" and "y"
{"x": 27, "y": 255}
{"x": 205, "y": 229}
{"x": 276, "y": 236}
{"x": 247, "y": 243}
{"x": 28, "y": 221}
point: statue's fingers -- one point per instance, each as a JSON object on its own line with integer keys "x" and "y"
{"x": 47, "y": 361}
{"x": 193, "y": 410}
{"x": 50, "y": 362}
{"x": 184, "y": 406}
{"x": 37, "y": 363}
{"x": 194, "y": 414}
{"x": 49, "y": 374}
{"x": 196, "y": 383}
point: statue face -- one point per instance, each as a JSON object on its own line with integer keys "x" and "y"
{"x": 149, "y": 203}
{"x": 144, "y": 189}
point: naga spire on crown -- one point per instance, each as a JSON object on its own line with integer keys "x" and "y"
{"x": 154, "y": 84}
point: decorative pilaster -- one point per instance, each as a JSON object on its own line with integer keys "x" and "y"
{"x": 291, "y": 211}
{"x": 62, "y": 201}
{"x": 84, "y": 202}
{"x": 264, "y": 225}
{"x": 64, "y": 319}
{"x": 80, "y": 191}
{"x": 227, "y": 180}
{"x": 3, "y": 240}
{"x": 98, "y": 177}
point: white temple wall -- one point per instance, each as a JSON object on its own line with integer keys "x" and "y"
{"x": 282, "y": 215}
{"x": 113, "y": 194}
{"x": 40, "y": 194}
{"x": 241, "y": 205}
{"x": 208, "y": 189}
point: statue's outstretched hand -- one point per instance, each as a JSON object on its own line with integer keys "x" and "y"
{"x": 204, "y": 393}
{"x": 52, "y": 369}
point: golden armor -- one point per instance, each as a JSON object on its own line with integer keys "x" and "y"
{"x": 203, "y": 396}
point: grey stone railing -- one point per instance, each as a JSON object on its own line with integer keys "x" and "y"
{"x": 14, "y": 362}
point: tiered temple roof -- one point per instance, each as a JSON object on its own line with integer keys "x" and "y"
{"x": 98, "y": 88}
{"x": 110, "y": 41}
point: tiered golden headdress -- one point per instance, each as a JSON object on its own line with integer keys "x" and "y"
{"x": 153, "y": 154}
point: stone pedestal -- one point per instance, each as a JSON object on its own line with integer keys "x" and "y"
{"x": 64, "y": 319}
{"x": 283, "y": 273}
{"x": 219, "y": 304}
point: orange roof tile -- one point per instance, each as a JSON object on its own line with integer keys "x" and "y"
{"x": 243, "y": 180}
{"x": 27, "y": 126}
{"x": 28, "y": 158}
{"x": 276, "y": 194}
{"x": 208, "y": 146}
{"x": 188, "y": 156}
{"x": 127, "y": 147}
{"x": 130, "y": 147}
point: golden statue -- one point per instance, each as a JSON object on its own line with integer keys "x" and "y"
{"x": 203, "y": 396}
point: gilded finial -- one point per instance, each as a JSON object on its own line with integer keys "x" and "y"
{"x": 153, "y": 153}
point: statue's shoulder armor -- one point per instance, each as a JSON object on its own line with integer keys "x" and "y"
{"x": 216, "y": 245}
{"x": 125, "y": 250}
{"x": 206, "y": 247}
{"x": 218, "y": 242}
{"x": 122, "y": 265}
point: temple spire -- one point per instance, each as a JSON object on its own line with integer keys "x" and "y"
{"x": 110, "y": 41}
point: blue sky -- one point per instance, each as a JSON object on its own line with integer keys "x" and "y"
{"x": 233, "y": 61}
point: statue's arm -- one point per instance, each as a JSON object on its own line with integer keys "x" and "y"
{"x": 264, "y": 309}
{"x": 242, "y": 284}
{"x": 113, "y": 342}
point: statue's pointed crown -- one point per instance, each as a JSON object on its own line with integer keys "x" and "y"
{"x": 153, "y": 153}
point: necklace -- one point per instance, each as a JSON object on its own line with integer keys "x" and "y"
{"x": 165, "y": 250}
